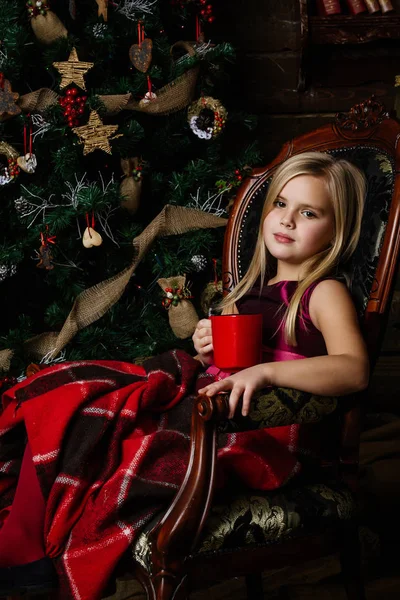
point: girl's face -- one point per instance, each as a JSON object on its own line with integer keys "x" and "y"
{"x": 301, "y": 222}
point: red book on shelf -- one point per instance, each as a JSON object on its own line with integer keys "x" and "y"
{"x": 356, "y": 6}
{"x": 326, "y": 8}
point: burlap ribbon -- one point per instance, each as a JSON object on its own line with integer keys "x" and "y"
{"x": 38, "y": 101}
{"x": 94, "y": 302}
{"x": 5, "y": 359}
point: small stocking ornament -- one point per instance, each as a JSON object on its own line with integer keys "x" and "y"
{"x": 181, "y": 312}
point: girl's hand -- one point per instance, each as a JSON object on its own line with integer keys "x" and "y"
{"x": 244, "y": 383}
{"x": 202, "y": 340}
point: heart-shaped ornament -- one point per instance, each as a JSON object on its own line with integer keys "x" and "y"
{"x": 91, "y": 238}
{"x": 27, "y": 163}
{"x": 141, "y": 55}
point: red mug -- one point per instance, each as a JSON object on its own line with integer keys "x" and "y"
{"x": 236, "y": 341}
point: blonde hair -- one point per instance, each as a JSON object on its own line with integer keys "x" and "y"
{"x": 346, "y": 186}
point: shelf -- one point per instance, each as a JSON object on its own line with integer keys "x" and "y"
{"x": 345, "y": 29}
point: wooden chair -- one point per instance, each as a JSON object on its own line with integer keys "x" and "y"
{"x": 186, "y": 548}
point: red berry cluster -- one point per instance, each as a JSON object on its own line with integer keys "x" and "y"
{"x": 137, "y": 172}
{"x": 13, "y": 168}
{"x": 73, "y": 105}
{"x": 219, "y": 123}
{"x": 37, "y": 7}
{"x": 206, "y": 12}
{"x": 238, "y": 174}
{"x": 174, "y": 296}
{"x": 206, "y": 9}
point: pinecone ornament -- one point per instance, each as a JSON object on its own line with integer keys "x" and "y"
{"x": 199, "y": 262}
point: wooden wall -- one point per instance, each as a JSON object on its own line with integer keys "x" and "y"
{"x": 268, "y": 40}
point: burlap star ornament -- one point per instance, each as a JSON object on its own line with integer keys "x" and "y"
{"x": 73, "y": 70}
{"x": 95, "y": 135}
{"x": 8, "y": 98}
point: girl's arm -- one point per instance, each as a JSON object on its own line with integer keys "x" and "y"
{"x": 342, "y": 371}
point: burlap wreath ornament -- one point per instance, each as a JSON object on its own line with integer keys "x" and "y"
{"x": 10, "y": 171}
{"x": 207, "y": 117}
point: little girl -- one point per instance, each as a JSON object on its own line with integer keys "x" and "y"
{"x": 108, "y": 442}
{"x": 309, "y": 228}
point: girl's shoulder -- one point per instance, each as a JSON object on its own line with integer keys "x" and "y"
{"x": 321, "y": 290}
{"x": 329, "y": 296}
{"x": 325, "y": 284}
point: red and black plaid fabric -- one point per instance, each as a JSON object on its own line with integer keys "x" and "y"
{"x": 110, "y": 443}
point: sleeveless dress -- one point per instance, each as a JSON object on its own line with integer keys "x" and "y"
{"x": 272, "y": 303}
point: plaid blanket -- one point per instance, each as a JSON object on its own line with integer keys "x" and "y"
{"x": 110, "y": 443}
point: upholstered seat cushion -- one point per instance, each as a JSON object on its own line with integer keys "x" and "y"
{"x": 263, "y": 518}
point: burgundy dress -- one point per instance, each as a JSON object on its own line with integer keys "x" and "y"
{"x": 272, "y": 303}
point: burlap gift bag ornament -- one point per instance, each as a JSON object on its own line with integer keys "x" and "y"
{"x": 131, "y": 186}
{"x": 46, "y": 26}
{"x": 181, "y": 312}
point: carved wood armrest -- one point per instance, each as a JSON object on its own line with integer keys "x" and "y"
{"x": 176, "y": 535}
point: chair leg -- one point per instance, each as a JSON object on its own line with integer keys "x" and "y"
{"x": 167, "y": 588}
{"x": 350, "y": 559}
{"x": 254, "y": 586}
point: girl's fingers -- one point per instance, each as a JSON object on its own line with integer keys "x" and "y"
{"x": 214, "y": 388}
{"x": 207, "y": 349}
{"x": 234, "y": 397}
{"x": 246, "y": 401}
{"x": 234, "y": 401}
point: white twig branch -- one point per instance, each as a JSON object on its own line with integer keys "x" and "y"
{"x": 103, "y": 218}
{"x": 72, "y": 196}
{"x": 47, "y": 358}
{"x": 130, "y": 8}
{"x": 211, "y": 205}
{"x": 3, "y": 56}
{"x": 36, "y": 209}
{"x": 41, "y": 124}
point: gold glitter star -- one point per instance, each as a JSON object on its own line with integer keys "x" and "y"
{"x": 95, "y": 135}
{"x": 73, "y": 70}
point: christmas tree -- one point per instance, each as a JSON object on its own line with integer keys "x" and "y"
{"x": 119, "y": 158}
